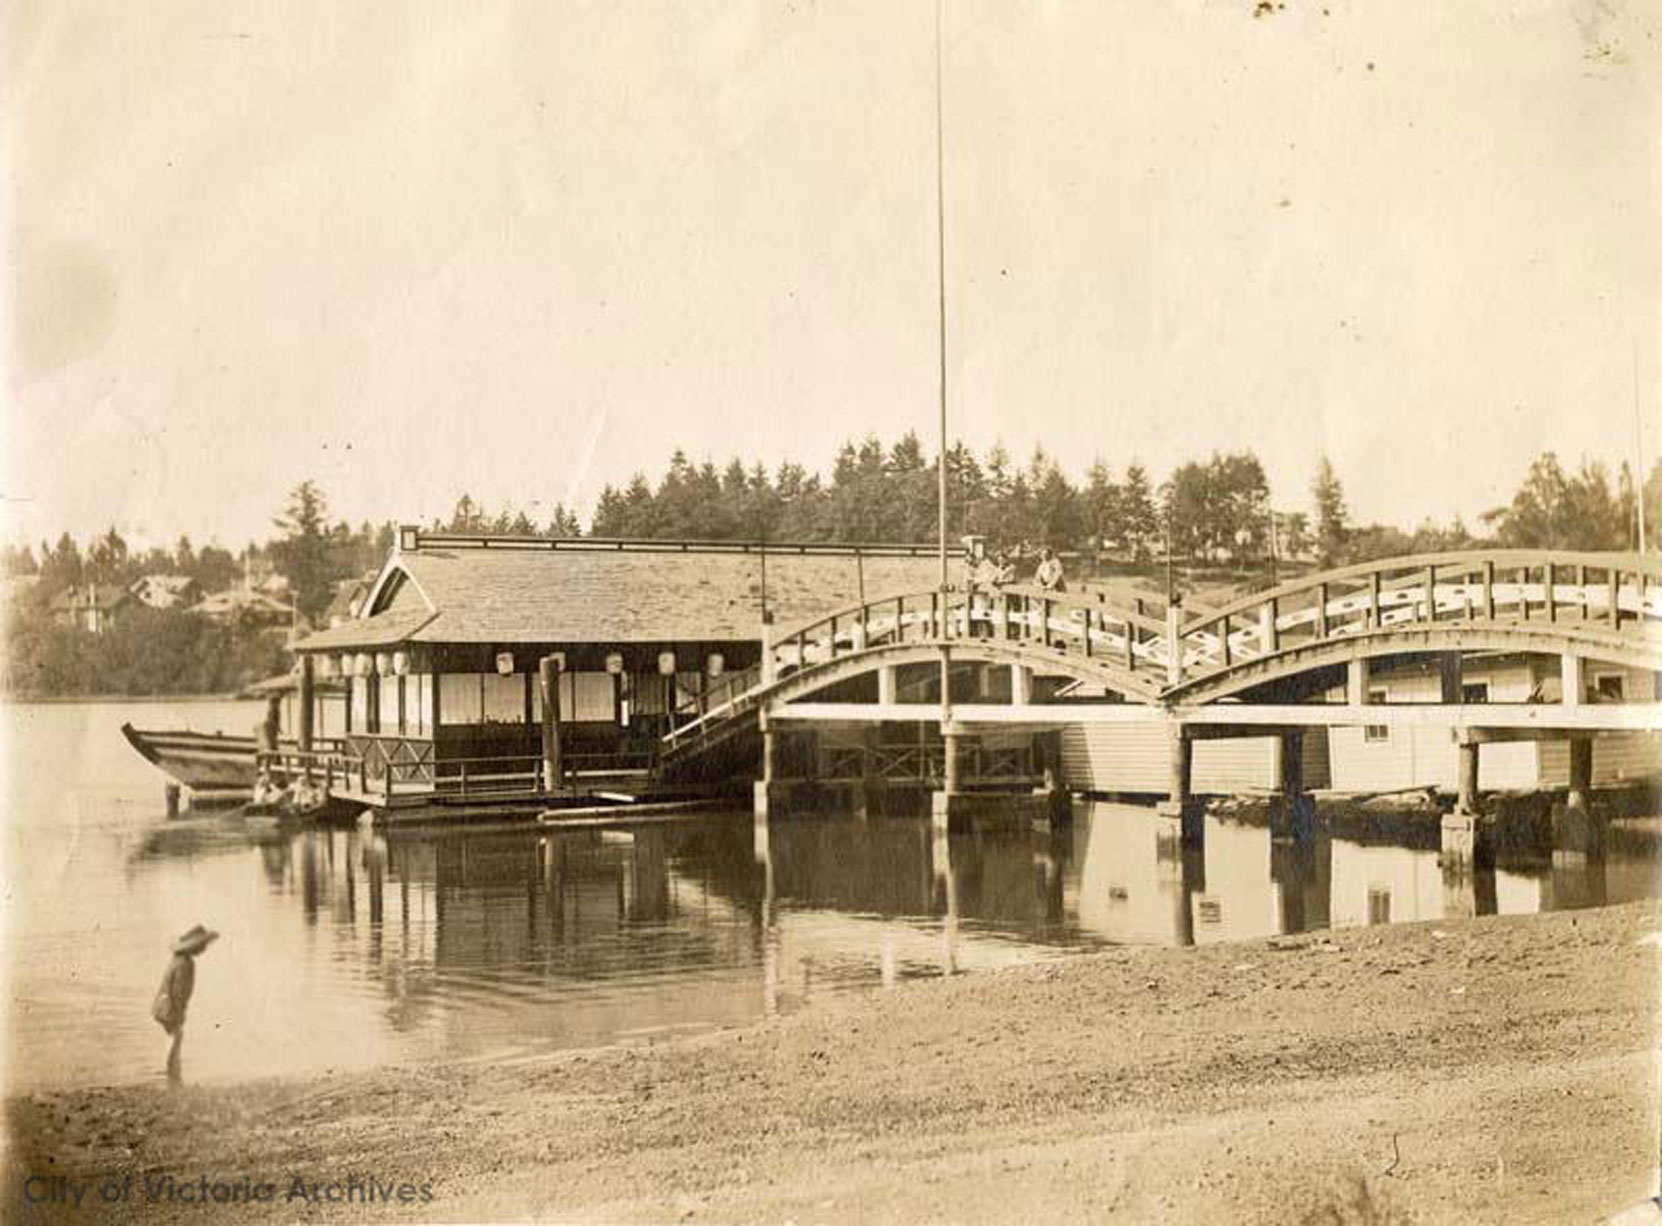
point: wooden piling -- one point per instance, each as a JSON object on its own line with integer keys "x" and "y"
{"x": 553, "y": 768}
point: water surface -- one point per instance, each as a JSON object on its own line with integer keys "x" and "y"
{"x": 348, "y": 949}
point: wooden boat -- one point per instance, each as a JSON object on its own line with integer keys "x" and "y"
{"x": 205, "y": 762}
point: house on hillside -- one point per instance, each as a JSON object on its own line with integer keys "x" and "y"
{"x": 441, "y": 660}
{"x": 92, "y": 607}
{"x": 241, "y": 606}
{"x": 164, "y": 591}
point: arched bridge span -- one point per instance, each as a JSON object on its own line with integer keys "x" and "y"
{"x": 1597, "y": 605}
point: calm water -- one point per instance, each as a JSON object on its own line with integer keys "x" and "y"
{"x": 344, "y": 949}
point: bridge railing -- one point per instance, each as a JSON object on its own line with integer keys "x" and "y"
{"x": 1084, "y": 624}
{"x": 1124, "y": 640}
{"x": 1598, "y": 592}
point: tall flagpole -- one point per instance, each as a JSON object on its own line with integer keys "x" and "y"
{"x": 940, "y": 273}
{"x": 1638, "y": 447}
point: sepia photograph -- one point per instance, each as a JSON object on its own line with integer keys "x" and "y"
{"x": 831, "y": 611}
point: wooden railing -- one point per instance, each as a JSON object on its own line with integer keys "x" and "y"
{"x": 927, "y": 763}
{"x": 1587, "y": 592}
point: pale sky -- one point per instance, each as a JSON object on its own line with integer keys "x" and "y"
{"x": 416, "y": 249}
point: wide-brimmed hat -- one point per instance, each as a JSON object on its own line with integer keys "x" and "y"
{"x": 195, "y": 941}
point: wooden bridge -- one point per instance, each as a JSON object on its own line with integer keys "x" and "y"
{"x": 1261, "y": 665}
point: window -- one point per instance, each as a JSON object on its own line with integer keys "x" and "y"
{"x": 585, "y": 698}
{"x": 1475, "y": 692}
{"x": 1373, "y": 733}
{"x": 459, "y": 698}
{"x": 503, "y": 698}
{"x": 1379, "y": 905}
{"x": 1608, "y": 688}
{"x": 358, "y": 703}
{"x": 389, "y": 705}
{"x": 418, "y": 705}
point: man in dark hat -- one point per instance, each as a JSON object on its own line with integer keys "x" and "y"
{"x": 173, "y": 997}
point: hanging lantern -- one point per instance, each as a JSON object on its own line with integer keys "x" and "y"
{"x": 364, "y": 665}
{"x": 401, "y": 663}
{"x": 343, "y": 664}
{"x": 715, "y": 665}
{"x": 614, "y": 663}
{"x": 666, "y": 663}
{"x": 383, "y": 663}
{"x": 323, "y": 666}
{"x": 505, "y": 663}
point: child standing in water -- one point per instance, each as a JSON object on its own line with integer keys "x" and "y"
{"x": 173, "y": 997}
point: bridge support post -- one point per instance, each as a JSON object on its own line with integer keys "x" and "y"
{"x": 1574, "y": 683}
{"x": 771, "y": 793}
{"x": 888, "y": 685}
{"x": 1021, "y": 685}
{"x": 1181, "y": 803}
{"x": 1356, "y": 688}
{"x": 1467, "y": 840}
{"x": 869, "y": 798}
{"x": 1451, "y": 676}
{"x": 1293, "y": 812}
{"x": 1577, "y": 825}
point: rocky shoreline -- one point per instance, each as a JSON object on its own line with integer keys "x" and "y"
{"x": 1498, "y": 1069}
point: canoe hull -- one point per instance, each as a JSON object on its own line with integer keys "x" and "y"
{"x": 202, "y": 761}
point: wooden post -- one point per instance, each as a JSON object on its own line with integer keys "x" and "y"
{"x": 1174, "y": 647}
{"x": 1614, "y": 587}
{"x": 1574, "y": 685}
{"x": 303, "y": 729}
{"x": 1375, "y": 583}
{"x": 1451, "y": 677}
{"x": 1223, "y": 639}
{"x": 1489, "y": 590}
{"x": 1468, "y": 796}
{"x": 1552, "y": 596}
{"x": 553, "y": 768}
{"x": 887, "y": 685}
{"x": 1356, "y": 679}
{"x": 1021, "y": 685}
{"x": 1269, "y": 633}
{"x": 952, "y": 774}
{"x": 1581, "y": 772}
{"x": 1321, "y": 610}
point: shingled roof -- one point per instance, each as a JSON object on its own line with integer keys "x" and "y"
{"x": 462, "y": 590}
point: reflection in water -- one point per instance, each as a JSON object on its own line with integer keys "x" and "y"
{"x": 352, "y": 947}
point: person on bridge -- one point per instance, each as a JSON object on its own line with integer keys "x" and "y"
{"x": 1049, "y": 575}
{"x": 173, "y": 997}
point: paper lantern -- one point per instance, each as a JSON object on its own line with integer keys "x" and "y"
{"x": 343, "y": 664}
{"x": 401, "y": 663}
{"x": 614, "y": 663}
{"x": 715, "y": 665}
{"x": 383, "y": 663}
{"x": 504, "y": 662}
{"x": 363, "y": 665}
{"x": 666, "y": 663}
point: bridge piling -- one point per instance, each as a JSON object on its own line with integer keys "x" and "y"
{"x": 1292, "y": 812}
{"x": 1467, "y": 841}
{"x": 1577, "y": 823}
{"x": 1181, "y": 803}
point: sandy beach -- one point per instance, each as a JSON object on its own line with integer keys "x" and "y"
{"x": 1498, "y": 1069}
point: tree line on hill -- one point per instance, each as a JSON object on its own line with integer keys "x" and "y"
{"x": 1212, "y": 512}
